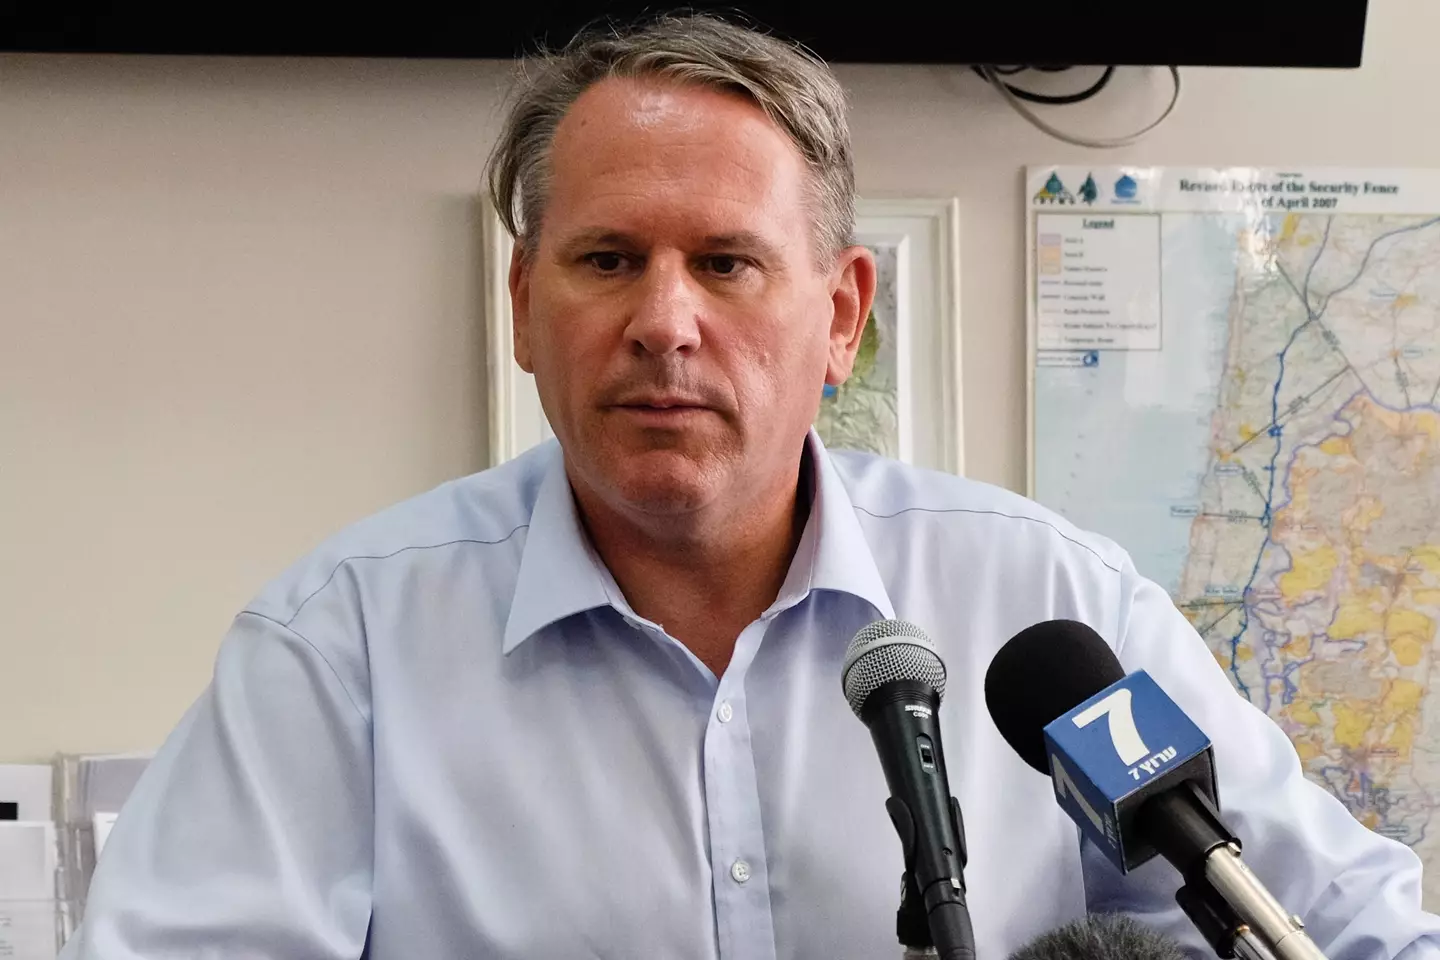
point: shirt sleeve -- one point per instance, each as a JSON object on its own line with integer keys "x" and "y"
{"x": 1357, "y": 892}
{"x": 250, "y": 835}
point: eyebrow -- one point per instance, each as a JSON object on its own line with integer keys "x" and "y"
{"x": 597, "y": 237}
{"x": 742, "y": 240}
{"x": 745, "y": 240}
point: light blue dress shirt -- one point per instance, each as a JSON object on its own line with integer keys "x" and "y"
{"x": 446, "y": 732}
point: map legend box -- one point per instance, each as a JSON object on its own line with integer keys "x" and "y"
{"x": 1098, "y": 281}
{"x": 1050, "y": 259}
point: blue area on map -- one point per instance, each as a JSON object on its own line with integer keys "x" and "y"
{"x": 1089, "y": 419}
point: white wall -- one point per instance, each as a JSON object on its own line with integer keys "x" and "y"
{"x": 239, "y": 307}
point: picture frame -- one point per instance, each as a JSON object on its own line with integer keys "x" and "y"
{"x": 516, "y": 421}
{"x": 916, "y": 242}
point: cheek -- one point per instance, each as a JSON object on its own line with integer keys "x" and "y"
{"x": 563, "y": 334}
{"x": 783, "y": 367}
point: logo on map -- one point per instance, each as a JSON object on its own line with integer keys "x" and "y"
{"x": 1088, "y": 190}
{"x": 1054, "y": 192}
{"x": 1125, "y": 189}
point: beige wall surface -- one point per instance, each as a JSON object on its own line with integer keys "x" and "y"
{"x": 240, "y": 308}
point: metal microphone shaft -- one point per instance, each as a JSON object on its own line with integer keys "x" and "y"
{"x": 1282, "y": 932}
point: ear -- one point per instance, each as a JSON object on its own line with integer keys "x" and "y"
{"x": 852, "y": 294}
{"x": 520, "y": 306}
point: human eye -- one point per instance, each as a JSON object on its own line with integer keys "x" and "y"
{"x": 606, "y": 262}
{"x": 726, "y": 265}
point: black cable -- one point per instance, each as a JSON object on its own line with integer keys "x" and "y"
{"x": 1005, "y": 91}
{"x": 1058, "y": 100}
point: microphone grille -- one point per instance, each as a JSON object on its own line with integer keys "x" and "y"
{"x": 886, "y": 651}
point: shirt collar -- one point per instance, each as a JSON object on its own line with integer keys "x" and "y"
{"x": 561, "y": 575}
{"x": 833, "y": 552}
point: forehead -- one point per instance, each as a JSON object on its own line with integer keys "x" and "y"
{"x": 674, "y": 155}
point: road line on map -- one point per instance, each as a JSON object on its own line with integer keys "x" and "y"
{"x": 1292, "y": 413}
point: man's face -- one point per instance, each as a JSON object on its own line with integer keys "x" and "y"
{"x": 675, "y": 313}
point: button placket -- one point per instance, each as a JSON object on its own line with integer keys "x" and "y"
{"x": 745, "y": 927}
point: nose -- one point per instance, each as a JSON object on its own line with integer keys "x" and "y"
{"x": 665, "y": 315}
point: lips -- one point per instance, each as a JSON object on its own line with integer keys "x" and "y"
{"x": 664, "y": 413}
{"x": 666, "y": 403}
{"x": 663, "y": 402}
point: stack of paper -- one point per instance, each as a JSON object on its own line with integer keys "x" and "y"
{"x": 28, "y": 918}
{"x": 92, "y": 789}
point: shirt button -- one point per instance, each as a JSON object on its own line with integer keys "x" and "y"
{"x": 740, "y": 871}
{"x": 726, "y": 713}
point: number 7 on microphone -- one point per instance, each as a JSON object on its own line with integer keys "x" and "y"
{"x": 1106, "y": 753}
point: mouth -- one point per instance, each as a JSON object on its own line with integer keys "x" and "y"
{"x": 658, "y": 411}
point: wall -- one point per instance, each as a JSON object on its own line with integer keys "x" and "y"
{"x": 239, "y": 308}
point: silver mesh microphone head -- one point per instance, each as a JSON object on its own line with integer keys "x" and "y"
{"x": 886, "y": 651}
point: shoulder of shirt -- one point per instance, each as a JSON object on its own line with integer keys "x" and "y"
{"x": 882, "y": 489}
{"x": 486, "y": 508}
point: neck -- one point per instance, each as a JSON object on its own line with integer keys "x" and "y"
{"x": 708, "y": 576}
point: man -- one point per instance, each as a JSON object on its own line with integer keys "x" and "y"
{"x": 587, "y": 703}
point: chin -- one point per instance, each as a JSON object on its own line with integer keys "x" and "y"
{"x": 662, "y": 491}
{"x": 661, "y": 481}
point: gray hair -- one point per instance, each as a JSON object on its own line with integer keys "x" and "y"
{"x": 795, "y": 88}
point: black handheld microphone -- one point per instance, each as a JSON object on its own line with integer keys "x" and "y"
{"x": 1138, "y": 783}
{"x": 1101, "y": 936}
{"x": 894, "y": 679}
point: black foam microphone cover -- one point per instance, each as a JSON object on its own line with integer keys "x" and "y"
{"x": 1042, "y": 672}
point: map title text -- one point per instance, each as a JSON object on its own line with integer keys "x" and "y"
{"x": 1291, "y": 193}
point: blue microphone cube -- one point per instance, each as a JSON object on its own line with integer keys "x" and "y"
{"x": 1116, "y": 750}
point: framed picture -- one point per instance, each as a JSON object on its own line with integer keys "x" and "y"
{"x": 516, "y": 421}
{"x": 903, "y": 399}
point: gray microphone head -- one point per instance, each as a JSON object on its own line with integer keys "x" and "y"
{"x": 1102, "y": 936}
{"x": 886, "y": 651}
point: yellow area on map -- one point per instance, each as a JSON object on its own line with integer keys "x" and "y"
{"x": 1307, "y": 750}
{"x": 1337, "y": 447}
{"x": 1309, "y": 571}
{"x": 1404, "y": 300}
{"x": 1298, "y": 647}
{"x": 1426, "y": 597}
{"x": 1427, "y": 556}
{"x": 1401, "y": 739}
{"x": 1303, "y": 713}
{"x": 1401, "y": 699}
{"x": 1400, "y": 423}
{"x": 1356, "y": 617}
{"x": 1352, "y": 722}
{"x": 1287, "y": 227}
{"x": 1408, "y": 649}
{"x": 1402, "y": 622}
